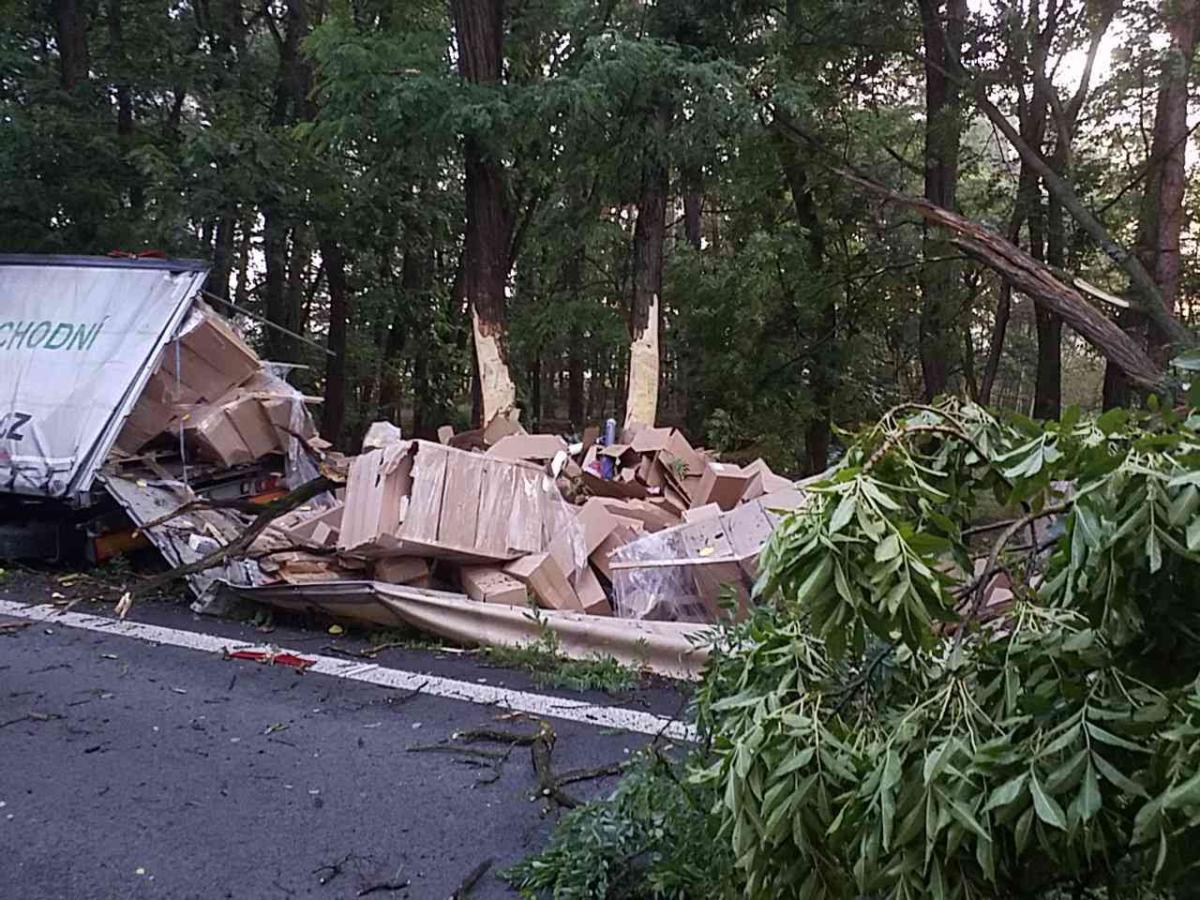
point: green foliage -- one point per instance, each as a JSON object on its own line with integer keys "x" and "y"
{"x": 654, "y": 837}
{"x": 543, "y": 659}
{"x": 871, "y": 731}
{"x": 862, "y": 748}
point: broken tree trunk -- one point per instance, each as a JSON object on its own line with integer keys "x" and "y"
{"x": 479, "y": 29}
{"x": 641, "y": 403}
{"x": 1030, "y": 277}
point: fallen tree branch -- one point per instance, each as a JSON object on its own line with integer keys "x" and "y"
{"x": 269, "y": 513}
{"x": 1005, "y": 536}
{"x": 1026, "y": 274}
{"x": 548, "y": 785}
{"x": 468, "y": 884}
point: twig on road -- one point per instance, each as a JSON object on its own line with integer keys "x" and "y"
{"x": 468, "y": 884}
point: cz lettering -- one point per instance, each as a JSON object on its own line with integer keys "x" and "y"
{"x": 11, "y": 425}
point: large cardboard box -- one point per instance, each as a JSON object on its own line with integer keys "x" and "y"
{"x": 410, "y": 570}
{"x": 540, "y": 573}
{"x": 722, "y": 484}
{"x": 490, "y": 584}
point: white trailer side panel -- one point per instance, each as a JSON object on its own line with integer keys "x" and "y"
{"x": 77, "y": 340}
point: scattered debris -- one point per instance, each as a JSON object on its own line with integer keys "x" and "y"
{"x": 216, "y": 460}
{"x": 271, "y": 657}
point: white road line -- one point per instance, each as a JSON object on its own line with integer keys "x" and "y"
{"x": 433, "y": 685}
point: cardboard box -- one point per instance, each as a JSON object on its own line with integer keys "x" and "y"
{"x": 722, "y": 484}
{"x": 524, "y": 514}
{"x": 459, "y": 518}
{"x": 402, "y": 570}
{"x": 615, "y": 540}
{"x": 495, "y": 505}
{"x": 252, "y": 425}
{"x": 748, "y": 528}
{"x": 377, "y": 499}
{"x": 540, "y": 573}
{"x": 591, "y": 594}
{"x": 700, "y": 513}
{"x": 778, "y": 502}
{"x": 763, "y": 481}
{"x": 213, "y": 436}
{"x": 424, "y": 514}
{"x": 490, "y": 584}
{"x": 534, "y": 447}
{"x": 652, "y": 519}
{"x": 502, "y": 425}
{"x": 706, "y": 539}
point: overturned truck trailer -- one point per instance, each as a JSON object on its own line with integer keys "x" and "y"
{"x": 112, "y": 375}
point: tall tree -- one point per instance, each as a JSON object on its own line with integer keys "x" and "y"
{"x": 942, "y": 28}
{"x": 641, "y": 404}
{"x": 1160, "y": 220}
{"x": 479, "y": 28}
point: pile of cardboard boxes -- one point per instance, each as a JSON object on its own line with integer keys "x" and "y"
{"x": 492, "y": 521}
{"x": 654, "y": 527}
{"x": 213, "y": 388}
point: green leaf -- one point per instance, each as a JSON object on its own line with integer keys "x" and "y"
{"x": 1189, "y": 360}
{"x": 1047, "y": 808}
{"x": 1021, "y": 833}
{"x": 936, "y": 760}
{"x": 1116, "y": 778}
{"x": 888, "y": 548}
{"x": 1089, "y": 794}
{"x": 842, "y": 514}
{"x": 1006, "y": 793}
{"x": 1153, "y": 551}
{"x": 1107, "y": 737}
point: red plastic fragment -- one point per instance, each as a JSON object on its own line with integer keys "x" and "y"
{"x": 271, "y": 658}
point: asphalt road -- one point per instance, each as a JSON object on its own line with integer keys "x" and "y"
{"x": 133, "y": 770}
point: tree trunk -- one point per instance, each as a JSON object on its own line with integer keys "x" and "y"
{"x": 824, "y": 362}
{"x": 641, "y": 403}
{"x": 124, "y": 103}
{"x": 217, "y": 282}
{"x": 693, "y": 205}
{"x": 572, "y": 285}
{"x": 70, "y": 33}
{"x": 1047, "y": 396}
{"x": 285, "y": 108}
{"x": 479, "y": 28}
{"x": 333, "y": 411}
{"x": 1162, "y": 213}
{"x": 274, "y": 281}
{"x": 943, "y": 132}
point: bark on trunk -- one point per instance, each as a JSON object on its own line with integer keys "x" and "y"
{"x": 943, "y": 132}
{"x": 479, "y": 28}
{"x": 1161, "y": 215}
{"x": 275, "y": 281}
{"x": 641, "y": 403}
{"x": 693, "y": 206}
{"x": 124, "y": 101}
{"x": 333, "y": 411}
{"x": 70, "y": 34}
{"x": 217, "y": 282}
{"x": 572, "y": 284}
{"x": 1162, "y": 202}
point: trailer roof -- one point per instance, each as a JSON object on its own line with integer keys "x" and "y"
{"x": 103, "y": 262}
